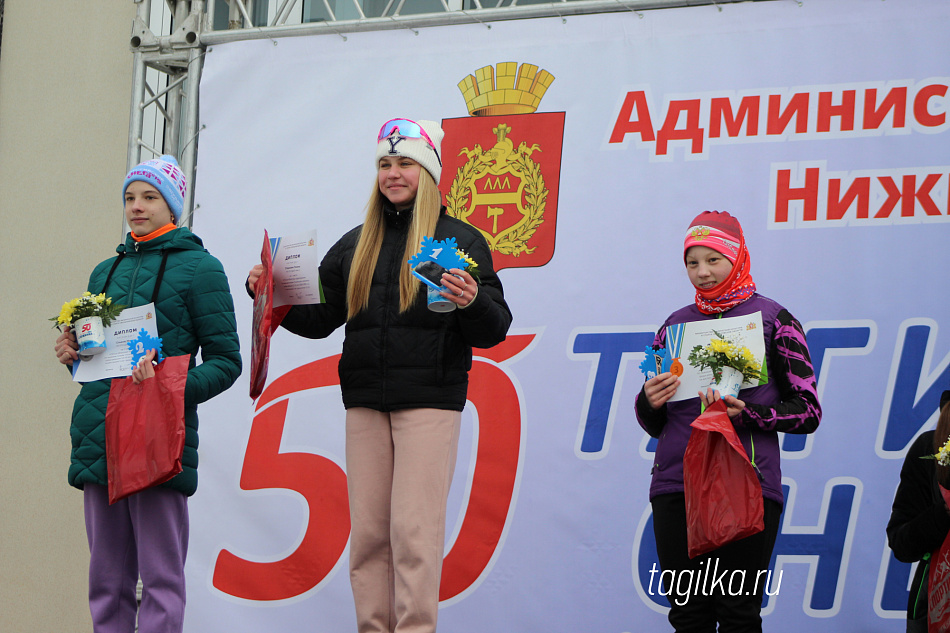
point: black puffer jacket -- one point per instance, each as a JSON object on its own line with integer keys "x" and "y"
{"x": 415, "y": 359}
{"x": 919, "y": 520}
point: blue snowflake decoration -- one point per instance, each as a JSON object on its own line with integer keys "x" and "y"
{"x": 425, "y": 248}
{"x": 657, "y": 361}
{"x": 140, "y": 345}
{"x": 442, "y": 252}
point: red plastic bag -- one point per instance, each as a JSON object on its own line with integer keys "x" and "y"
{"x": 723, "y": 493}
{"x": 938, "y": 583}
{"x": 265, "y": 321}
{"x": 145, "y": 428}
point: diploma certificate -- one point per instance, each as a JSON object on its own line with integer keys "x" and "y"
{"x": 682, "y": 338}
{"x": 116, "y": 361}
{"x": 296, "y": 269}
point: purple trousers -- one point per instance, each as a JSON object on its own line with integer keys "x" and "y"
{"x": 144, "y": 535}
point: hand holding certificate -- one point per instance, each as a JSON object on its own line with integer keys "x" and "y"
{"x": 290, "y": 276}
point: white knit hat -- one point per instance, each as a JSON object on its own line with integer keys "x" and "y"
{"x": 418, "y": 149}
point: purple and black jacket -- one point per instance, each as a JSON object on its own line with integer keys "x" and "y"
{"x": 787, "y": 403}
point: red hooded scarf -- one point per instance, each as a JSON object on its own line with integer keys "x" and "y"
{"x": 721, "y": 232}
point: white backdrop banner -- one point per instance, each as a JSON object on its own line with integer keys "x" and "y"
{"x": 582, "y": 148}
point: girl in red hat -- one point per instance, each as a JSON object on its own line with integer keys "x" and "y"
{"x": 718, "y": 266}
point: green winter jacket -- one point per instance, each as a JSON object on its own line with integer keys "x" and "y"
{"x": 194, "y": 310}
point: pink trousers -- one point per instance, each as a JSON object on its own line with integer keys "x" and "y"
{"x": 399, "y": 468}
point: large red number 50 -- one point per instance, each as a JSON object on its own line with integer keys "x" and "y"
{"x": 322, "y": 483}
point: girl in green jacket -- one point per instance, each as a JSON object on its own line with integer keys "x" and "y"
{"x": 146, "y": 534}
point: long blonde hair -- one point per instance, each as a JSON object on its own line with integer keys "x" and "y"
{"x": 425, "y": 214}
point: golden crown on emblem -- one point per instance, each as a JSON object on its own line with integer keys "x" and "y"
{"x": 510, "y": 90}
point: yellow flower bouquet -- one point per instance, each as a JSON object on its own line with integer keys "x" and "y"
{"x": 722, "y": 352}
{"x": 88, "y": 305}
{"x": 942, "y": 456}
{"x": 471, "y": 266}
{"x": 88, "y": 316}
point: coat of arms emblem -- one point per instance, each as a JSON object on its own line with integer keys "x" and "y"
{"x": 505, "y": 161}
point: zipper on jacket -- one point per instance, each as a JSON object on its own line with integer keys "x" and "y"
{"x": 752, "y": 460}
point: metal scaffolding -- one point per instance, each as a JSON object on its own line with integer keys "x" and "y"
{"x": 168, "y": 95}
{"x": 169, "y": 40}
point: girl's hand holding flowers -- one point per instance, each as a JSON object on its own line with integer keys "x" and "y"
{"x": 66, "y": 348}
{"x": 87, "y": 305}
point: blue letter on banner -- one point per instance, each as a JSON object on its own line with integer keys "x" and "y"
{"x": 906, "y": 415}
{"x": 607, "y": 350}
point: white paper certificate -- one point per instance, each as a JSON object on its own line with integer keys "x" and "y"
{"x": 296, "y": 269}
{"x": 680, "y": 339}
{"x": 116, "y": 361}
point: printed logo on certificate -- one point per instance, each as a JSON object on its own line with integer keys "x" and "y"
{"x": 682, "y": 338}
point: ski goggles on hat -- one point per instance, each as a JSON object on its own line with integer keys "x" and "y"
{"x": 409, "y": 129}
